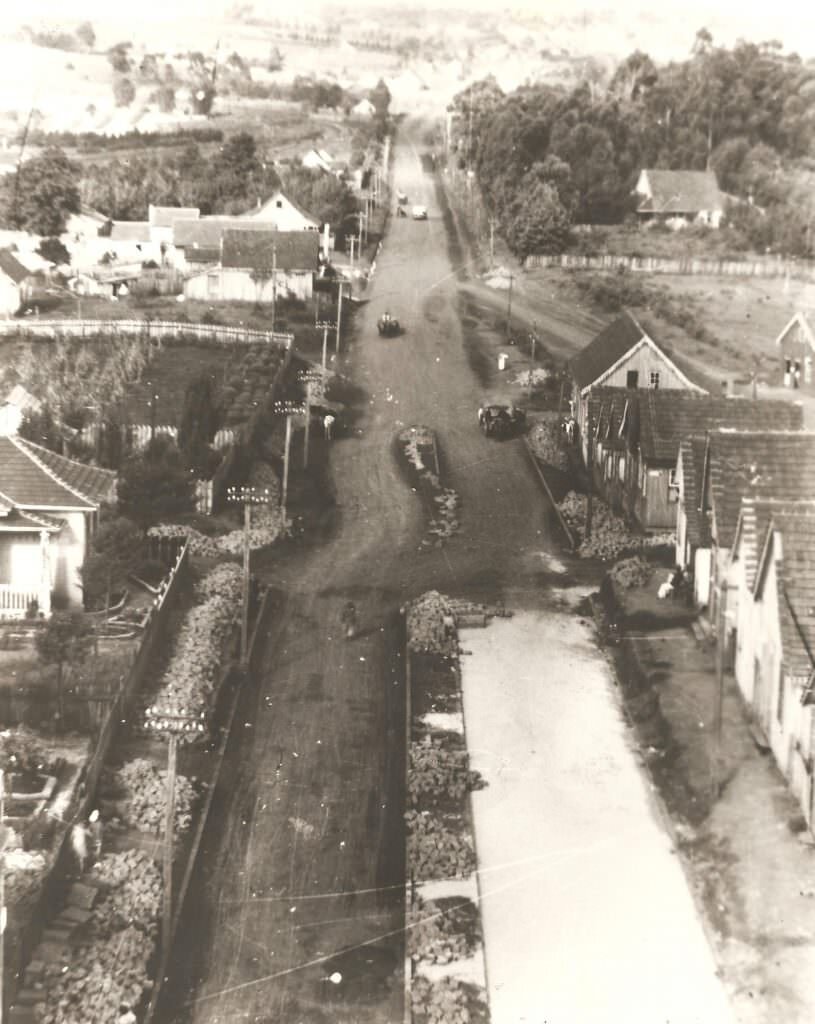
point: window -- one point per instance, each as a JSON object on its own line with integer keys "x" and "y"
{"x": 632, "y": 378}
{"x": 653, "y": 379}
{"x": 212, "y": 286}
{"x": 673, "y": 486}
{"x": 279, "y": 204}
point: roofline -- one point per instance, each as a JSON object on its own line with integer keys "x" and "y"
{"x": 799, "y": 318}
{"x": 646, "y": 339}
{"x": 47, "y": 470}
{"x": 55, "y": 508}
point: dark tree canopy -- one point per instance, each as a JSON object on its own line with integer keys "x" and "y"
{"x": 156, "y": 486}
{"x": 43, "y": 192}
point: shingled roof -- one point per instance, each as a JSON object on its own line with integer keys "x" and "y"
{"x": 32, "y": 477}
{"x": 668, "y": 416}
{"x": 755, "y": 464}
{"x": 166, "y": 216}
{"x": 681, "y": 192}
{"x": 206, "y": 233}
{"x": 253, "y": 250}
{"x": 11, "y": 267}
{"x": 692, "y": 455}
{"x": 614, "y": 342}
{"x": 796, "y": 586}
{"x": 751, "y": 528}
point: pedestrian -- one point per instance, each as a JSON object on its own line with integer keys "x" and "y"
{"x": 79, "y": 846}
{"x": 349, "y": 620}
{"x": 328, "y": 425}
{"x": 95, "y": 834}
{"x": 126, "y": 1014}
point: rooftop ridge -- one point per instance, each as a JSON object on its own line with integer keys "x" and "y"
{"x": 22, "y": 445}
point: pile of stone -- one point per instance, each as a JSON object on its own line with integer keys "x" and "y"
{"x": 546, "y": 441}
{"x": 610, "y": 535}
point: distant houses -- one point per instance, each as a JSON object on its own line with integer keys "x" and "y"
{"x": 17, "y": 283}
{"x": 796, "y": 348}
{"x": 679, "y": 198}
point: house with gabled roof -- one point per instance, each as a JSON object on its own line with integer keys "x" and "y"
{"x": 49, "y": 509}
{"x": 283, "y": 213}
{"x": 16, "y": 283}
{"x": 625, "y": 355}
{"x": 259, "y": 266}
{"x": 678, "y": 198}
{"x": 796, "y": 349}
{"x": 162, "y": 218}
{"x": 751, "y": 465}
{"x": 775, "y": 663}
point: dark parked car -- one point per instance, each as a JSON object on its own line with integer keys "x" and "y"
{"x": 501, "y": 420}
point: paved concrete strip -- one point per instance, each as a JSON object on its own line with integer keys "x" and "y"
{"x": 586, "y": 911}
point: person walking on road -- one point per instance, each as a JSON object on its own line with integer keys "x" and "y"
{"x": 349, "y": 620}
{"x": 328, "y": 425}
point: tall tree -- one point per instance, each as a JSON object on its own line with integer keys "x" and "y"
{"x": 42, "y": 193}
{"x": 155, "y": 485}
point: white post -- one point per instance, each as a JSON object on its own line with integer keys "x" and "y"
{"x": 308, "y": 424}
{"x": 44, "y": 598}
{"x": 339, "y": 318}
{"x": 325, "y": 344}
{"x": 285, "y": 490}
{"x": 2, "y": 888}
{"x": 247, "y": 522}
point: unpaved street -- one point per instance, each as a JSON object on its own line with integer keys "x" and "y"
{"x": 297, "y": 912}
{"x": 586, "y": 911}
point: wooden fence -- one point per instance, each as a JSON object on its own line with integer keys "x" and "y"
{"x": 160, "y": 329}
{"x": 770, "y": 267}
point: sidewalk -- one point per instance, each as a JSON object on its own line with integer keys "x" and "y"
{"x": 754, "y": 879}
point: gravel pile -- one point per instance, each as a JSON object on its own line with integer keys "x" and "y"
{"x": 610, "y": 535}
{"x": 545, "y": 439}
{"x": 431, "y": 624}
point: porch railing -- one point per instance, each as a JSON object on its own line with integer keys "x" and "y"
{"x": 15, "y": 603}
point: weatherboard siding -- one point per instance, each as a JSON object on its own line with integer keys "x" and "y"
{"x": 222, "y": 285}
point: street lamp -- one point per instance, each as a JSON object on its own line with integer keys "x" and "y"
{"x": 172, "y": 723}
{"x": 246, "y": 496}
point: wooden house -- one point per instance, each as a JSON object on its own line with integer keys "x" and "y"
{"x": 678, "y": 198}
{"x": 796, "y": 348}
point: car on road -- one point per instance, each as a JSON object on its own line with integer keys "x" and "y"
{"x": 419, "y": 213}
{"x": 498, "y": 420}
{"x": 388, "y": 326}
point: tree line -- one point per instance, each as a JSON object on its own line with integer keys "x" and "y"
{"x": 549, "y": 156}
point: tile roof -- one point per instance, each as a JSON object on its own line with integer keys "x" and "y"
{"x": 751, "y": 529}
{"x": 293, "y": 250}
{"x": 11, "y": 267}
{"x": 692, "y": 455}
{"x": 203, "y": 254}
{"x": 796, "y": 588}
{"x": 667, "y": 416}
{"x": 130, "y": 231}
{"x": 207, "y": 232}
{"x": 16, "y": 521}
{"x": 165, "y": 216}
{"x": 681, "y": 192}
{"x": 32, "y": 477}
{"x": 755, "y": 464}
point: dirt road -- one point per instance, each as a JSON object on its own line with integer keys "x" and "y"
{"x": 298, "y": 910}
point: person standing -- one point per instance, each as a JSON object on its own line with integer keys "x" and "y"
{"x": 95, "y": 834}
{"x": 79, "y": 846}
{"x": 328, "y": 425}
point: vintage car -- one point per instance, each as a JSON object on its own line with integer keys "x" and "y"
{"x": 501, "y": 420}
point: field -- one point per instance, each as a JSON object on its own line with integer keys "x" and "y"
{"x": 743, "y": 315}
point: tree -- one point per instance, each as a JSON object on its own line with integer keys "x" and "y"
{"x": 156, "y": 486}
{"x": 116, "y": 552}
{"x": 540, "y": 223}
{"x": 41, "y": 428}
{"x": 118, "y": 58}
{"x": 165, "y": 97}
{"x": 380, "y": 96}
{"x": 53, "y": 250}
{"x": 199, "y": 423}
{"x": 66, "y": 640}
{"x": 124, "y": 92}
{"x": 275, "y": 62}
{"x": 86, "y": 35}
{"x": 43, "y": 192}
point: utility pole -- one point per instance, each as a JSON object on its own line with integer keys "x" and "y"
{"x": 509, "y": 306}
{"x": 287, "y": 409}
{"x": 153, "y": 401}
{"x": 274, "y": 285}
{"x": 325, "y": 325}
{"x": 339, "y": 318}
{"x": 533, "y": 338}
{"x": 718, "y": 710}
{"x": 590, "y": 467}
{"x": 172, "y": 723}
{"x": 492, "y": 241}
{"x": 352, "y": 239}
{"x": 2, "y": 889}
{"x": 246, "y": 496}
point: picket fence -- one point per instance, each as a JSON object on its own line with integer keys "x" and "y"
{"x": 139, "y": 434}
{"x": 769, "y": 268}
{"x": 159, "y": 329}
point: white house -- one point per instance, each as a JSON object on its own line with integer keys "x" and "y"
{"x": 364, "y": 110}
{"x": 16, "y": 405}
{"x": 678, "y": 198}
{"x": 318, "y": 159}
{"x": 15, "y": 283}
{"x": 282, "y": 213}
{"x": 162, "y": 218}
{"x": 49, "y": 507}
{"x": 259, "y": 266}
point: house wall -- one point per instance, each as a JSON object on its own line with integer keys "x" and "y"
{"x": 67, "y": 554}
{"x": 763, "y": 654}
{"x": 10, "y": 299}
{"x": 795, "y": 349}
{"x": 702, "y": 561}
{"x": 654, "y": 507}
{"x": 281, "y": 214}
{"x": 221, "y": 285}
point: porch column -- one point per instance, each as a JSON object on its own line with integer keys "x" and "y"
{"x": 44, "y": 597}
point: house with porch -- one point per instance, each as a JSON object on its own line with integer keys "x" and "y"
{"x": 774, "y": 664}
{"x": 49, "y": 509}
{"x": 625, "y": 355}
{"x": 679, "y": 198}
{"x": 747, "y": 465}
{"x": 796, "y": 349}
{"x": 259, "y": 266}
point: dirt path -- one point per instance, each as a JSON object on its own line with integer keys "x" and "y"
{"x": 303, "y": 880}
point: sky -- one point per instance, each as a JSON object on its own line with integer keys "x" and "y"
{"x": 790, "y": 21}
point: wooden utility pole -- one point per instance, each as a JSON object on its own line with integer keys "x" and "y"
{"x": 247, "y": 496}
{"x": 285, "y": 489}
{"x": 590, "y": 467}
{"x": 509, "y": 306}
{"x": 492, "y": 241}
{"x": 718, "y": 710}
{"x": 533, "y": 341}
{"x": 308, "y": 424}
{"x": 169, "y": 826}
{"x": 352, "y": 239}
{"x": 339, "y": 319}
{"x": 274, "y": 285}
{"x": 2, "y": 889}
